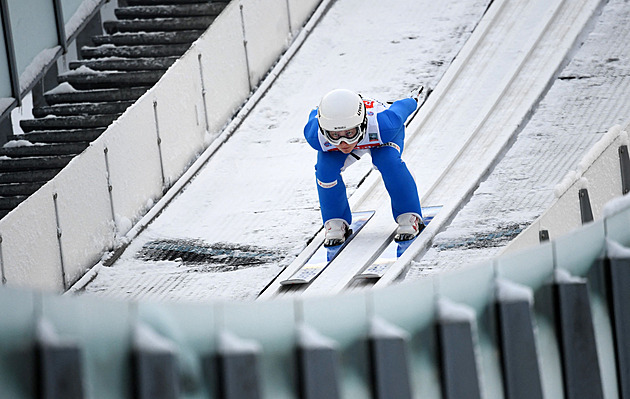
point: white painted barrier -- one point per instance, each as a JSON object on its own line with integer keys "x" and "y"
{"x": 299, "y": 11}
{"x": 224, "y": 67}
{"x": 263, "y": 50}
{"x": 598, "y": 173}
{"x": 84, "y": 214}
{"x": 178, "y": 106}
{"x": 50, "y": 240}
{"x": 133, "y": 159}
{"x": 30, "y": 249}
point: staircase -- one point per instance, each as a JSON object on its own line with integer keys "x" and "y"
{"x": 147, "y": 37}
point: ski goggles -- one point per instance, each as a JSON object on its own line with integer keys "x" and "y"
{"x": 349, "y": 136}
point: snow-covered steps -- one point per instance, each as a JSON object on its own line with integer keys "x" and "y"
{"x": 9, "y": 165}
{"x": 159, "y": 24}
{"x": 138, "y": 51}
{"x": 175, "y": 10}
{"x": 106, "y": 80}
{"x": 130, "y": 39}
{"x": 82, "y": 109}
{"x": 125, "y": 64}
{"x": 34, "y": 150}
{"x": 72, "y": 95}
{"x": 28, "y": 176}
{"x": 60, "y": 136}
{"x": 19, "y": 189}
{"x": 68, "y": 122}
{"x": 169, "y": 2}
{"x": 21, "y": 177}
{"x": 110, "y": 76}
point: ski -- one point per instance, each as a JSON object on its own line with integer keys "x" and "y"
{"x": 324, "y": 255}
{"x": 394, "y": 250}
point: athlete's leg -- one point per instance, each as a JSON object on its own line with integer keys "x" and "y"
{"x": 398, "y": 180}
{"x": 330, "y": 186}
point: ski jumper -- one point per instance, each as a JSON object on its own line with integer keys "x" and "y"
{"x": 384, "y": 139}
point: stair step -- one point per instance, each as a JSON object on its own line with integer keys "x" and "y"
{"x": 176, "y": 10}
{"x": 82, "y": 109}
{"x": 159, "y": 24}
{"x": 7, "y": 204}
{"x": 19, "y": 189}
{"x": 106, "y": 80}
{"x": 28, "y": 176}
{"x": 169, "y": 2}
{"x": 158, "y": 50}
{"x": 125, "y": 64}
{"x": 60, "y": 136}
{"x": 34, "y": 163}
{"x": 68, "y": 122}
{"x": 144, "y": 38}
{"x": 102, "y": 95}
{"x": 43, "y": 150}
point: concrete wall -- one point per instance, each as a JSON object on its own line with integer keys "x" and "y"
{"x": 599, "y": 174}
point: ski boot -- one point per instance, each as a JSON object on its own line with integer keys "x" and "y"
{"x": 337, "y": 230}
{"x": 409, "y": 226}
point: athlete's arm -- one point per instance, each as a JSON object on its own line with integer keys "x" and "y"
{"x": 391, "y": 122}
{"x": 311, "y": 131}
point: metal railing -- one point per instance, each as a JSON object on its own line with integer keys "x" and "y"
{"x": 548, "y": 322}
{"x": 35, "y": 33}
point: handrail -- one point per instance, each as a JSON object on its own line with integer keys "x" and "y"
{"x": 18, "y": 89}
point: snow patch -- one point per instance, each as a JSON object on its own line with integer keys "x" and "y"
{"x": 566, "y": 183}
{"x": 381, "y": 328}
{"x": 309, "y": 338}
{"x": 18, "y": 143}
{"x": 82, "y": 70}
{"x": 62, "y": 88}
{"x": 37, "y": 66}
{"x": 616, "y": 250}
{"x": 230, "y": 344}
{"x": 148, "y": 340}
{"x": 598, "y": 149}
{"x": 82, "y": 13}
{"x": 48, "y": 336}
{"x": 508, "y": 291}
{"x": 616, "y": 205}
{"x": 449, "y": 311}
{"x": 563, "y": 276}
{"x": 591, "y": 156}
{"x": 123, "y": 224}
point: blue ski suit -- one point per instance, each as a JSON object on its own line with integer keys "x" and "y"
{"x": 384, "y": 139}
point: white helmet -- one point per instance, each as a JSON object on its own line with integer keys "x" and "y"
{"x": 341, "y": 110}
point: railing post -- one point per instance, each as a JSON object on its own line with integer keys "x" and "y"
{"x": 617, "y": 265}
{"x": 10, "y": 48}
{"x": 586, "y": 212}
{"x": 519, "y": 357}
{"x": 59, "y": 368}
{"x": 155, "y": 366}
{"x": 60, "y": 25}
{"x": 456, "y": 341}
{"x": 159, "y": 144}
{"x": 582, "y": 376}
{"x": 318, "y": 365}
{"x": 624, "y": 163}
{"x": 237, "y": 367}
{"x": 389, "y": 361}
